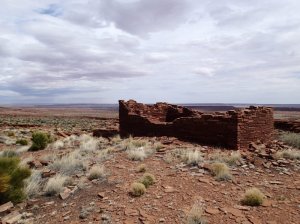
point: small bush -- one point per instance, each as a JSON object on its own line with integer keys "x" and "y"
{"x": 137, "y": 189}
{"x": 292, "y": 139}
{"x": 39, "y": 141}
{"x": 58, "y": 144}
{"x": 221, "y": 171}
{"x": 22, "y": 142}
{"x": 96, "y": 172}
{"x": 253, "y": 197}
{"x": 141, "y": 168}
{"x": 195, "y": 215}
{"x": 55, "y": 185}
{"x": 147, "y": 179}
{"x": 12, "y": 178}
{"x": 288, "y": 154}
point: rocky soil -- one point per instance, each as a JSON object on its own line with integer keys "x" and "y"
{"x": 178, "y": 187}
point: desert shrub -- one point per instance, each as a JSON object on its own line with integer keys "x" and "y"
{"x": 288, "y": 154}
{"x": 40, "y": 141}
{"x": 141, "y": 168}
{"x": 97, "y": 172}
{"x": 147, "y": 179}
{"x": 290, "y": 138}
{"x": 68, "y": 164}
{"x": 231, "y": 159}
{"x": 12, "y": 177}
{"x": 33, "y": 184}
{"x": 22, "y": 142}
{"x": 137, "y": 189}
{"x": 253, "y": 197}
{"x": 55, "y": 185}
{"x": 220, "y": 171}
{"x": 195, "y": 215}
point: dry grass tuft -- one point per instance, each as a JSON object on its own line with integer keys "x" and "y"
{"x": 137, "y": 154}
{"x": 288, "y": 154}
{"x": 33, "y": 184}
{"x": 141, "y": 168}
{"x": 97, "y": 172}
{"x": 221, "y": 171}
{"x": 195, "y": 215}
{"x": 68, "y": 164}
{"x": 290, "y": 138}
{"x": 147, "y": 179}
{"x": 232, "y": 159}
{"x": 55, "y": 185}
{"x": 253, "y": 197}
{"x": 137, "y": 189}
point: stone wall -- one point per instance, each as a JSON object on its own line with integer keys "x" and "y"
{"x": 232, "y": 129}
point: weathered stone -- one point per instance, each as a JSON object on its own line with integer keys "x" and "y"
{"x": 233, "y": 129}
{"x": 6, "y": 206}
{"x": 12, "y": 217}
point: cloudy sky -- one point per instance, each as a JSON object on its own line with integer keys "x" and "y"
{"x": 197, "y": 51}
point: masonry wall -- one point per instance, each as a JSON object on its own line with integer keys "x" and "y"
{"x": 255, "y": 123}
{"x": 227, "y": 129}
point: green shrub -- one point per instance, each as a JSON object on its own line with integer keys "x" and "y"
{"x": 292, "y": 139}
{"x": 137, "y": 189}
{"x": 253, "y": 197}
{"x": 147, "y": 179}
{"x": 40, "y": 141}
{"x": 22, "y": 142}
{"x": 12, "y": 178}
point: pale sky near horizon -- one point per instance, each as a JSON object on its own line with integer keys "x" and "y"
{"x": 195, "y": 51}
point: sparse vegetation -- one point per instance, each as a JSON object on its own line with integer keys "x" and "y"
{"x": 97, "y": 172}
{"x": 288, "y": 154}
{"x": 40, "y": 141}
{"x": 137, "y": 189}
{"x": 137, "y": 154}
{"x": 55, "y": 185}
{"x": 221, "y": 171}
{"x": 253, "y": 197}
{"x": 12, "y": 177}
{"x": 33, "y": 184}
{"x": 195, "y": 215}
{"x": 232, "y": 159}
{"x": 192, "y": 157}
{"x": 9, "y": 153}
{"x": 68, "y": 164}
{"x": 290, "y": 138}
{"x": 147, "y": 179}
{"x": 22, "y": 142}
{"x": 141, "y": 168}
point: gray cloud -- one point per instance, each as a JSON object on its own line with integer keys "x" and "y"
{"x": 173, "y": 50}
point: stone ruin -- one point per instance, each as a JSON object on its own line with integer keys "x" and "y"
{"x": 234, "y": 129}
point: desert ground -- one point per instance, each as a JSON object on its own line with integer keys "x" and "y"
{"x": 78, "y": 178}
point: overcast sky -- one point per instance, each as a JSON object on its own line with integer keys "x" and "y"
{"x": 196, "y": 51}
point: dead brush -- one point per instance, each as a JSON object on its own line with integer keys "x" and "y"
{"x": 253, "y": 197}
{"x": 195, "y": 215}
{"x": 232, "y": 159}
{"x": 221, "y": 171}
